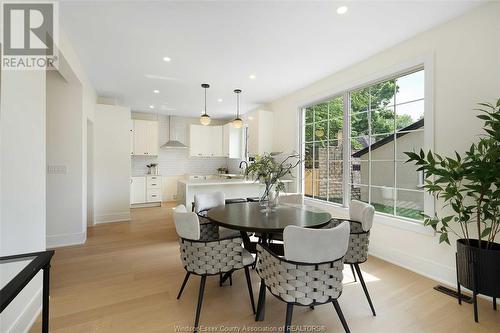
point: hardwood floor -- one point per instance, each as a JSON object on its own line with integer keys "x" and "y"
{"x": 126, "y": 278}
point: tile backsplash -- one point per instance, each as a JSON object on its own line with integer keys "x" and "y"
{"x": 173, "y": 162}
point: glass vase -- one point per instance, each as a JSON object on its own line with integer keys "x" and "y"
{"x": 268, "y": 199}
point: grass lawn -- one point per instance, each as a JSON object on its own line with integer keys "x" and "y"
{"x": 400, "y": 211}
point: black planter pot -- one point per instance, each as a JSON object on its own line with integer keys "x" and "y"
{"x": 478, "y": 269}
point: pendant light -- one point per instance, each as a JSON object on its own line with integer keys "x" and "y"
{"x": 205, "y": 118}
{"x": 237, "y": 122}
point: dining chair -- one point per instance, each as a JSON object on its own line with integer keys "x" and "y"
{"x": 309, "y": 273}
{"x": 208, "y": 257}
{"x": 361, "y": 221}
{"x": 291, "y": 198}
{"x": 203, "y": 202}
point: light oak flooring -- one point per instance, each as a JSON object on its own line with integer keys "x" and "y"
{"x": 127, "y": 275}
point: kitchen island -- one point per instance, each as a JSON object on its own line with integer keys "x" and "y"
{"x": 232, "y": 188}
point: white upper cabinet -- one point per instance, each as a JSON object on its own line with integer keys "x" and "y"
{"x": 205, "y": 141}
{"x": 215, "y": 143}
{"x": 199, "y": 137}
{"x": 232, "y": 141}
{"x": 152, "y": 141}
{"x": 145, "y": 137}
{"x": 260, "y": 132}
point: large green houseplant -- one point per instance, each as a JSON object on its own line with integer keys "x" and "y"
{"x": 469, "y": 186}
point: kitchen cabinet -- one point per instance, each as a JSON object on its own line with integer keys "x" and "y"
{"x": 205, "y": 141}
{"x": 145, "y": 190}
{"x": 260, "y": 131}
{"x": 232, "y": 141}
{"x": 137, "y": 190}
{"x": 145, "y": 137}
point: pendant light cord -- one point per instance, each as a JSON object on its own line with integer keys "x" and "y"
{"x": 238, "y": 105}
{"x": 205, "y": 101}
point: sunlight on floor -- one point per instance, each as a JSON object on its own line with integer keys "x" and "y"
{"x": 348, "y": 277}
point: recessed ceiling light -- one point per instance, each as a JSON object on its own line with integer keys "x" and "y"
{"x": 166, "y": 59}
{"x": 342, "y": 10}
{"x": 252, "y": 77}
{"x": 219, "y": 100}
{"x": 156, "y": 91}
{"x": 151, "y": 106}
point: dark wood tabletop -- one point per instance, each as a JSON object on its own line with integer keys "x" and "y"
{"x": 249, "y": 217}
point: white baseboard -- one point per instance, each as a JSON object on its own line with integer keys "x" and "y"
{"x": 428, "y": 268}
{"x": 66, "y": 239}
{"x": 28, "y": 316}
{"x": 113, "y": 217}
{"x": 146, "y": 205}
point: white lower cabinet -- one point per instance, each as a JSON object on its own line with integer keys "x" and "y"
{"x": 154, "y": 195}
{"x": 145, "y": 190}
{"x": 138, "y": 190}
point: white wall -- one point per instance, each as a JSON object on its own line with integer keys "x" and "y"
{"x": 22, "y": 184}
{"x": 64, "y": 148}
{"x": 89, "y": 98}
{"x": 466, "y": 61}
{"x": 111, "y": 163}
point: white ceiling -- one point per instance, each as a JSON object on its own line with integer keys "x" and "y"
{"x": 286, "y": 45}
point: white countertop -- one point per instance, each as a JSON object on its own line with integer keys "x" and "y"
{"x": 206, "y": 182}
{"x": 209, "y": 182}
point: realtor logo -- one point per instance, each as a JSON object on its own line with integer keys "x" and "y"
{"x": 29, "y": 32}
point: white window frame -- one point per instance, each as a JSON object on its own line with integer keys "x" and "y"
{"x": 425, "y": 62}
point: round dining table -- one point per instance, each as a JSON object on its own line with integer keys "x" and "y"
{"x": 251, "y": 217}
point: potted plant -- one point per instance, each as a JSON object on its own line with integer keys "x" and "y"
{"x": 469, "y": 185}
{"x": 269, "y": 172}
{"x": 152, "y": 170}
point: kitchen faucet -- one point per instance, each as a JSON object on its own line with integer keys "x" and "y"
{"x": 243, "y": 162}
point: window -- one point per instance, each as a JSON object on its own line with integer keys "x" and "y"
{"x": 323, "y": 163}
{"x": 384, "y": 120}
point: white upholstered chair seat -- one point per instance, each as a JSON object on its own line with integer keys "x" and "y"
{"x": 247, "y": 258}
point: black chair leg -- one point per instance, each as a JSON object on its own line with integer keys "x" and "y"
{"x": 353, "y": 273}
{"x": 311, "y": 307}
{"x": 183, "y": 284}
{"x": 494, "y": 303}
{"x": 341, "y": 315}
{"x": 358, "y": 270}
{"x": 250, "y": 290}
{"x": 288, "y": 321}
{"x": 231, "y": 279}
{"x": 200, "y": 301}
{"x": 261, "y": 302}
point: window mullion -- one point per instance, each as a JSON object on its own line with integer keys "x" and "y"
{"x": 346, "y": 149}
{"x": 369, "y": 117}
{"x": 328, "y": 152}
{"x": 395, "y": 192}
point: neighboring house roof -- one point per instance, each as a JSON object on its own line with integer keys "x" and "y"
{"x": 389, "y": 138}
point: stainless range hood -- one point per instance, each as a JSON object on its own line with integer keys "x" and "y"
{"x": 175, "y": 144}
